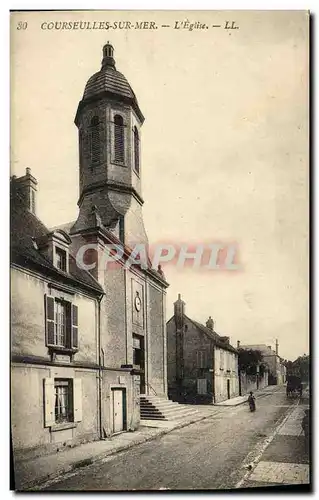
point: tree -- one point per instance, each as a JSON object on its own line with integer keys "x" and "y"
{"x": 301, "y": 365}
{"x": 249, "y": 359}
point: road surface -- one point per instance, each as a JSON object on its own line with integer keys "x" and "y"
{"x": 212, "y": 454}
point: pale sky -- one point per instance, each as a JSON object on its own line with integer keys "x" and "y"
{"x": 224, "y": 149}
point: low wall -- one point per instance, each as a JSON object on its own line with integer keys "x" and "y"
{"x": 250, "y": 383}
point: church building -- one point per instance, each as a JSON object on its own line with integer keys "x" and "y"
{"x": 88, "y": 342}
{"x": 132, "y": 317}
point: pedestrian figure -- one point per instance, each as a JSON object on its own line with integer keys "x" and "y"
{"x": 251, "y": 401}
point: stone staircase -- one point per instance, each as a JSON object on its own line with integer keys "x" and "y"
{"x": 160, "y": 408}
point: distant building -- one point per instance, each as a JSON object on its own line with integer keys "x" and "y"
{"x": 202, "y": 366}
{"x": 276, "y": 366}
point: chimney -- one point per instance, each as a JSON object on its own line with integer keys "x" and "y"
{"x": 269, "y": 347}
{"x": 277, "y": 347}
{"x": 179, "y": 311}
{"x": 210, "y": 323}
{"x": 238, "y": 344}
{"x": 225, "y": 339}
{"x": 26, "y": 188}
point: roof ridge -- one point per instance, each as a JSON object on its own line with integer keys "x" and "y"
{"x": 212, "y": 334}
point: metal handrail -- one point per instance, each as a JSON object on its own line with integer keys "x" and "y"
{"x": 149, "y": 385}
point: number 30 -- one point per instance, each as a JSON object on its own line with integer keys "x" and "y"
{"x": 22, "y": 26}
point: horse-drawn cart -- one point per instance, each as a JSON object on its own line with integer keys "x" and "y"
{"x": 294, "y": 387}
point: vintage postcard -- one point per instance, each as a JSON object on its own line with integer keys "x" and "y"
{"x": 159, "y": 186}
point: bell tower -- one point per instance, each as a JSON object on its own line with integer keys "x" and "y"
{"x": 109, "y": 123}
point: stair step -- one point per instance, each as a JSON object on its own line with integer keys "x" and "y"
{"x": 160, "y": 408}
{"x": 179, "y": 411}
{"x": 147, "y": 416}
{"x": 150, "y": 417}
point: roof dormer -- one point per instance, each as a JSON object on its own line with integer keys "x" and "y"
{"x": 55, "y": 246}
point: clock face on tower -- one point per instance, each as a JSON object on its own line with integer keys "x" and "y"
{"x": 137, "y": 302}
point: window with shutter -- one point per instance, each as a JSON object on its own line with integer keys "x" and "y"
{"x": 118, "y": 139}
{"x": 136, "y": 151}
{"x": 49, "y": 399}
{"x": 50, "y": 320}
{"x": 74, "y": 330}
{"x": 95, "y": 143}
{"x": 63, "y": 400}
{"x": 77, "y": 401}
{"x": 61, "y": 324}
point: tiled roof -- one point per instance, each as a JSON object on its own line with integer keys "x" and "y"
{"x": 213, "y": 335}
{"x": 108, "y": 79}
{"x": 25, "y": 227}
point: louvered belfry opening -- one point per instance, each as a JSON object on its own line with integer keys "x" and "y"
{"x": 95, "y": 146}
{"x": 119, "y": 139}
{"x": 136, "y": 151}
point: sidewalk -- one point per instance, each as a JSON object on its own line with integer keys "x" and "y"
{"x": 30, "y": 474}
{"x": 285, "y": 461}
{"x": 243, "y": 399}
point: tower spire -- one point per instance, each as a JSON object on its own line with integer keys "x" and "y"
{"x": 108, "y": 60}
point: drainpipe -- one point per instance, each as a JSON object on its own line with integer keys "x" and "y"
{"x": 100, "y": 363}
{"x": 213, "y": 374}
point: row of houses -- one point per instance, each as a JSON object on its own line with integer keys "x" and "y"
{"x": 203, "y": 366}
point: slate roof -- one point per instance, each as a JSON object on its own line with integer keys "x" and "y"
{"x": 213, "y": 335}
{"x": 109, "y": 80}
{"x": 115, "y": 240}
{"x": 25, "y": 227}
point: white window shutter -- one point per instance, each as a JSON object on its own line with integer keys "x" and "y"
{"x": 49, "y": 402}
{"x": 77, "y": 399}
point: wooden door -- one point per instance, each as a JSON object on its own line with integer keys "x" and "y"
{"x": 118, "y": 420}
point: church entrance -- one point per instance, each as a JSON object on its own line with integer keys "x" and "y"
{"x": 139, "y": 359}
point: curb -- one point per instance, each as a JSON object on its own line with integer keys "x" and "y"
{"x": 252, "y": 465}
{"x": 39, "y": 484}
{"x": 258, "y": 396}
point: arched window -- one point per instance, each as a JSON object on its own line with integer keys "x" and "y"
{"x": 119, "y": 138}
{"x": 95, "y": 146}
{"x": 136, "y": 151}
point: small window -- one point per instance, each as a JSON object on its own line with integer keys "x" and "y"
{"x": 95, "y": 145}
{"x": 60, "y": 259}
{"x": 119, "y": 139}
{"x": 138, "y": 351}
{"x": 63, "y": 401}
{"x": 136, "y": 151}
{"x": 81, "y": 146}
{"x": 121, "y": 229}
{"x": 222, "y": 360}
{"x": 201, "y": 359}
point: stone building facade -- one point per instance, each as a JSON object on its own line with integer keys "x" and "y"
{"x": 120, "y": 308}
{"x": 276, "y": 366}
{"x": 202, "y": 366}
